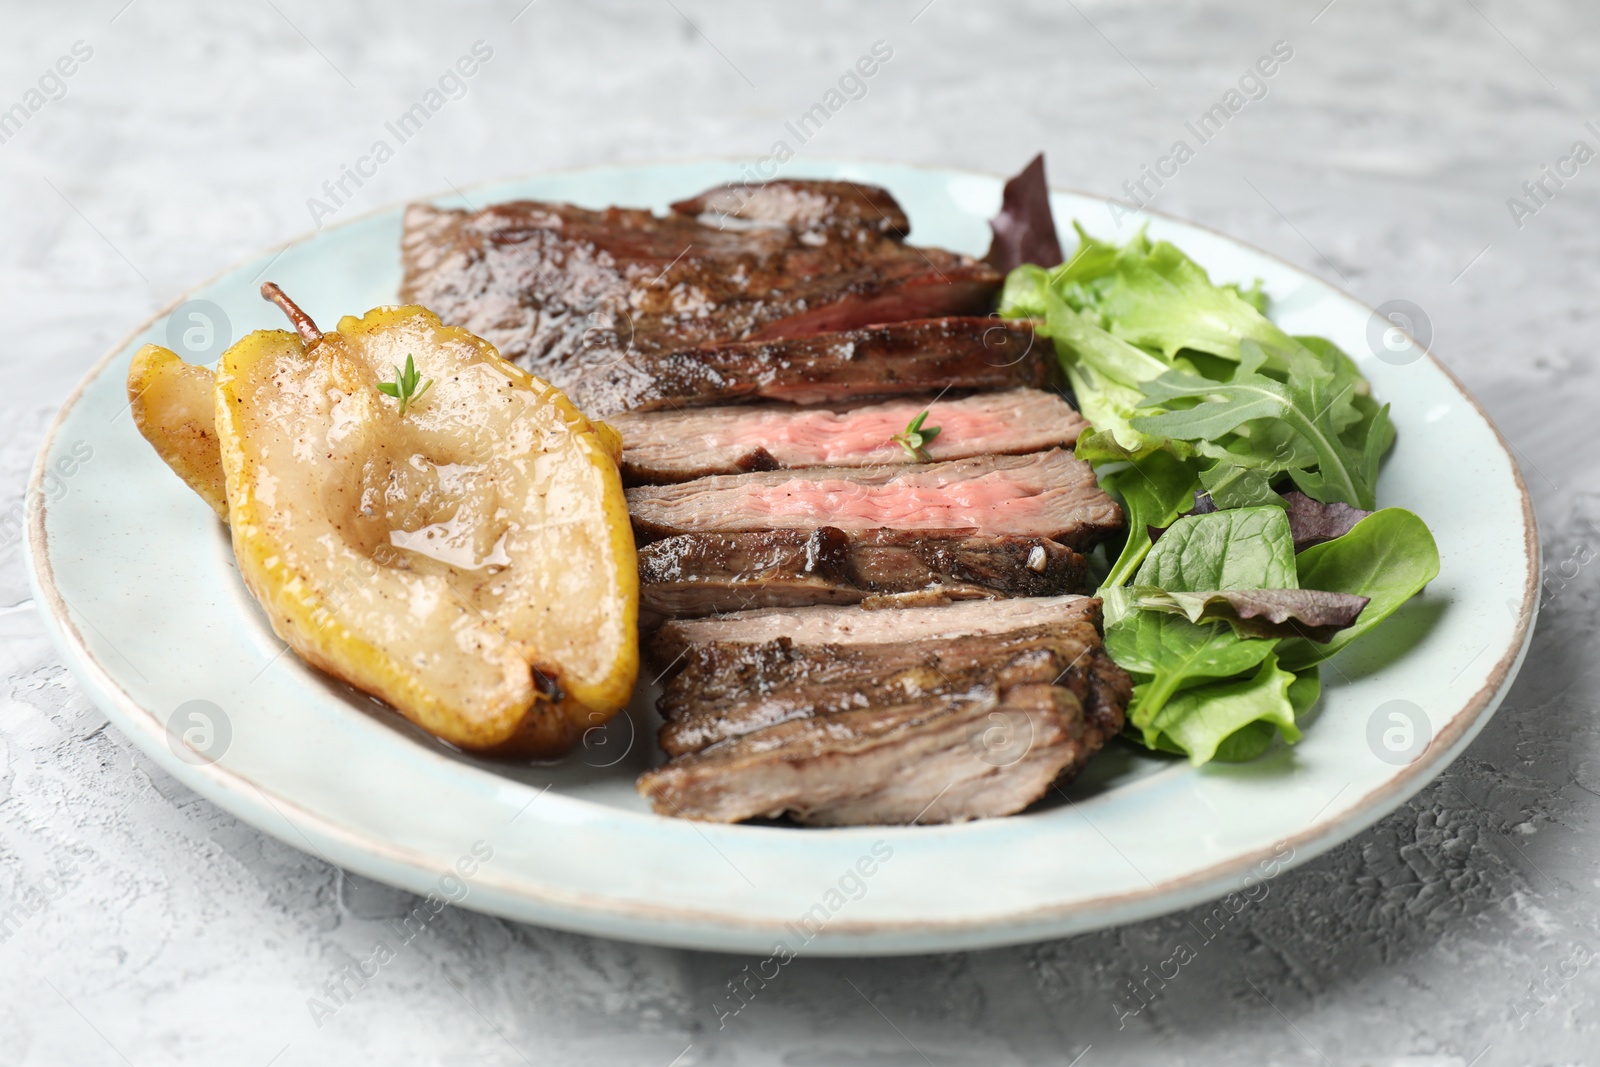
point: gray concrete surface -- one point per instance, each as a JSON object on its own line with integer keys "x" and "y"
{"x": 1459, "y": 931}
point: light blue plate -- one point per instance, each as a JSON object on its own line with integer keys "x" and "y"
{"x": 139, "y": 587}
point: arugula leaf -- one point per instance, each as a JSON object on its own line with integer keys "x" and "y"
{"x": 1231, "y": 486}
{"x": 1302, "y": 403}
{"x": 1389, "y": 556}
{"x": 1233, "y": 720}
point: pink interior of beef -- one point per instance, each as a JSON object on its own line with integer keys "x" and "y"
{"x": 824, "y": 437}
{"x": 978, "y": 503}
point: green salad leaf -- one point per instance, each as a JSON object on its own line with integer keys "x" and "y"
{"x": 1388, "y": 556}
{"x": 1248, "y": 548}
{"x": 1243, "y": 548}
{"x": 1154, "y": 296}
{"x": 1230, "y": 721}
{"x": 1154, "y": 492}
{"x": 1310, "y": 613}
{"x": 1189, "y": 388}
{"x": 1106, "y": 374}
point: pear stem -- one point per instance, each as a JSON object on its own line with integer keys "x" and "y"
{"x": 303, "y": 325}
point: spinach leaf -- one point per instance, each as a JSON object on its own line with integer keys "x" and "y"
{"x": 1242, "y": 548}
{"x": 1232, "y": 720}
{"x": 1169, "y": 646}
{"x": 1248, "y": 548}
{"x": 1389, "y": 556}
{"x": 1154, "y": 491}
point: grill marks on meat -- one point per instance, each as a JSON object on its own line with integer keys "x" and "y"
{"x": 1045, "y": 495}
{"x": 662, "y": 447}
{"x": 916, "y": 730}
{"x": 921, "y": 356}
{"x": 705, "y": 573}
{"x": 561, "y": 289}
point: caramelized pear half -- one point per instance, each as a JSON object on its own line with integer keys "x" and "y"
{"x": 469, "y": 560}
{"x": 172, "y": 403}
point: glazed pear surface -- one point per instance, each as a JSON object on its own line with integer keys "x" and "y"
{"x": 465, "y": 555}
{"x": 172, "y": 406}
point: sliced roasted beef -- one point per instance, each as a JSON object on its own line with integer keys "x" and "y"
{"x": 802, "y": 205}
{"x": 939, "y": 759}
{"x": 559, "y": 288}
{"x": 661, "y": 447}
{"x": 706, "y": 573}
{"x": 894, "y": 359}
{"x": 1045, "y": 495}
{"x": 854, "y": 626}
{"x": 726, "y": 690}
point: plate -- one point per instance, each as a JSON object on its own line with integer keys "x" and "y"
{"x": 139, "y": 591}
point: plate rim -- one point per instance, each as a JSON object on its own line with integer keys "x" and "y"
{"x": 1018, "y": 926}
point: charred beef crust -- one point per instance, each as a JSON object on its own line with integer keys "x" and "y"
{"x": 561, "y": 289}
{"x": 893, "y": 359}
{"x": 702, "y": 574}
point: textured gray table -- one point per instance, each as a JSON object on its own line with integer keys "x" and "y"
{"x": 149, "y": 927}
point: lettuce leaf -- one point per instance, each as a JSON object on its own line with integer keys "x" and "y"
{"x": 1388, "y": 557}
{"x": 1188, "y": 385}
{"x": 1314, "y": 614}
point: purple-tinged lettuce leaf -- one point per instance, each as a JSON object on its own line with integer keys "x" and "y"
{"x": 1314, "y": 614}
{"x": 1312, "y": 522}
{"x": 1025, "y": 230}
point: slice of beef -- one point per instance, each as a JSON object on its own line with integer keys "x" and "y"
{"x": 559, "y": 288}
{"x": 661, "y": 447}
{"x": 846, "y": 626}
{"x": 725, "y": 690}
{"x": 945, "y": 758}
{"x": 1050, "y": 495}
{"x": 705, "y": 573}
{"x": 915, "y": 356}
{"x": 802, "y": 205}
